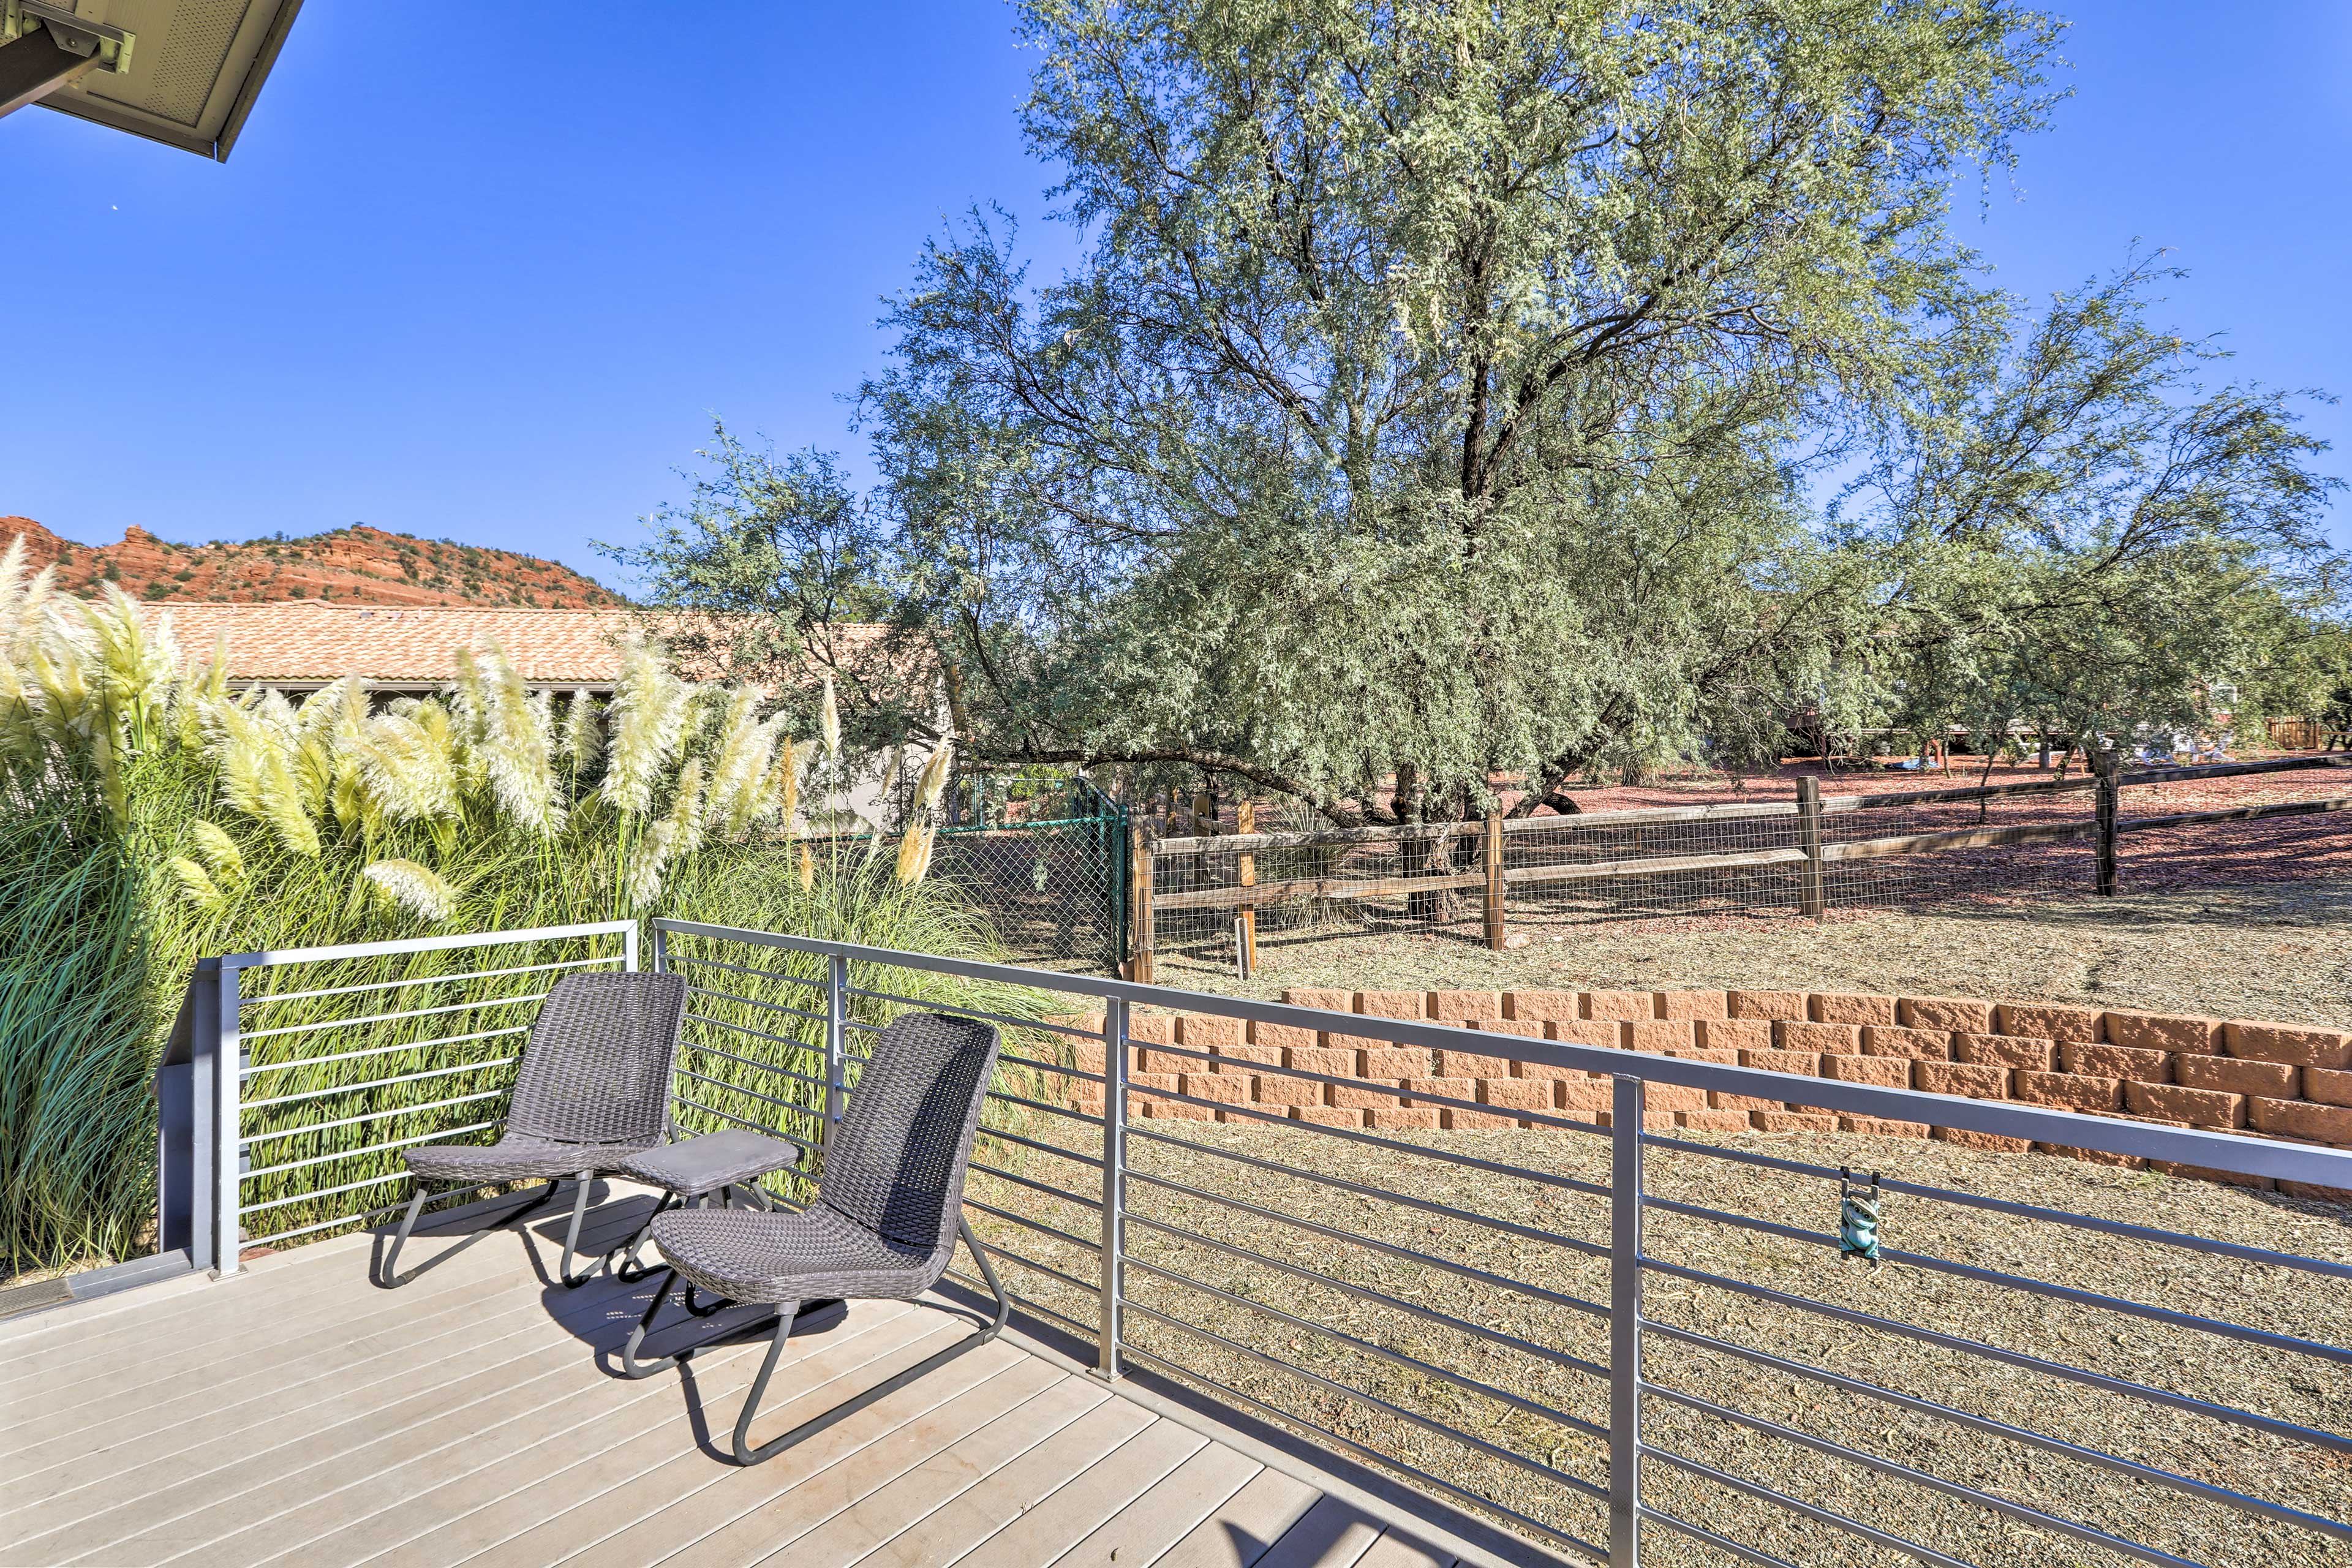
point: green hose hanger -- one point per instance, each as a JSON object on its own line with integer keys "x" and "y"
{"x": 1858, "y": 1210}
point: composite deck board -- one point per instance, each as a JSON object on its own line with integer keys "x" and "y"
{"x": 1240, "y": 1533}
{"x": 300, "y": 1417}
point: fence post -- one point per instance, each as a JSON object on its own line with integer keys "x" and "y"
{"x": 1139, "y": 921}
{"x": 1494, "y": 880}
{"x": 1111, "y": 1260}
{"x": 836, "y": 1030}
{"x": 1625, "y": 1322}
{"x": 228, "y": 1162}
{"x": 2104, "y": 762}
{"x": 1245, "y": 821}
{"x": 1812, "y": 900}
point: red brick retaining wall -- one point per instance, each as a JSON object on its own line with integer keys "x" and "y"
{"x": 2263, "y": 1079}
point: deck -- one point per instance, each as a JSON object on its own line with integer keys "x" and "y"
{"x": 297, "y": 1414}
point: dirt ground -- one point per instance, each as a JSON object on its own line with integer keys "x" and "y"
{"x": 2272, "y": 950}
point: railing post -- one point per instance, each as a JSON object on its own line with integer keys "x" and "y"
{"x": 836, "y": 1030}
{"x": 660, "y": 953}
{"x": 1625, "y": 1322}
{"x": 1494, "y": 880}
{"x": 1138, "y": 967}
{"x": 1112, "y": 1258}
{"x": 1812, "y": 900}
{"x": 2106, "y": 762}
{"x": 629, "y": 949}
{"x": 228, "y": 1165}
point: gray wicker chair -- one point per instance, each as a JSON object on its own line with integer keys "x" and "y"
{"x": 882, "y": 1226}
{"x": 592, "y": 1091}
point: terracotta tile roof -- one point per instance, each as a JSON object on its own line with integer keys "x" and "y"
{"x": 305, "y": 641}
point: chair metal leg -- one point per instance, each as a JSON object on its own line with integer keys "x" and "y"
{"x": 572, "y": 1237}
{"x": 625, "y": 1267}
{"x": 746, "y": 1455}
{"x": 630, "y": 1365}
{"x": 388, "y": 1272}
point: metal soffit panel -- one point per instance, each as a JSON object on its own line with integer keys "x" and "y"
{"x": 194, "y": 76}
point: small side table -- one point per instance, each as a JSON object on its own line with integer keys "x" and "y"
{"x": 692, "y": 1171}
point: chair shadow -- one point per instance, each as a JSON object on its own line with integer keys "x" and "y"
{"x": 533, "y": 1216}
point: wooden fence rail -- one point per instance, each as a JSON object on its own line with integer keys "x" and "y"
{"x": 2104, "y": 825}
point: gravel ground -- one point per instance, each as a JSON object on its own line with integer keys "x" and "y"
{"x": 2300, "y": 1388}
{"x": 2259, "y": 950}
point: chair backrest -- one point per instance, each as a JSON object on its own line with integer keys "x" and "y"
{"x": 597, "y": 1067}
{"x": 895, "y": 1164}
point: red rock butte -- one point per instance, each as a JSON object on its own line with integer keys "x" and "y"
{"x": 359, "y": 566}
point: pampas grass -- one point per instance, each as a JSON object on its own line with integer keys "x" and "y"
{"x": 149, "y": 817}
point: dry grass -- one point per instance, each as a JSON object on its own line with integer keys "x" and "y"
{"x": 2270, "y": 950}
{"x": 2200, "y": 1364}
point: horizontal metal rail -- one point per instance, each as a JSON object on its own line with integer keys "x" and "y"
{"x": 378, "y": 1083}
{"x": 370, "y": 1116}
{"x": 753, "y": 1002}
{"x": 1820, "y": 1515}
{"x": 801, "y": 1045}
{"x": 1040, "y": 1226}
{"x": 813, "y": 984}
{"x": 1056, "y": 1150}
{"x": 392, "y": 1017}
{"x": 770, "y": 1068}
{"x": 258, "y": 998}
{"x": 962, "y": 1010}
{"x": 1057, "y": 1193}
{"x": 439, "y": 1135}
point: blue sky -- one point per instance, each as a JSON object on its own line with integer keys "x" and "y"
{"x": 490, "y": 285}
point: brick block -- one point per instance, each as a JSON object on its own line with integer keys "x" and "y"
{"x": 1392, "y": 1003}
{"x": 1152, "y": 1061}
{"x": 1690, "y": 1004}
{"x": 2276, "y": 1079}
{"x": 1452, "y": 1087}
{"x": 1974, "y": 1080}
{"x": 1656, "y": 1097}
{"x": 1918, "y": 1045}
{"x": 2287, "y": 1043}
{"x": 2132, "y": 1062}
{"x": 1222, "y": 1088}
{"x": 1465, "y": 1006}
{"x": 2070, "y": 1092}
{"x": 1600, "y": 1033}
{"x": 1735, "y": 1034}
{"x": 1281, "y": 1037}
{"x": 1167, "y": 1080}
{"x": 1328, "y": 1116}
{"x": 1792, "y": 1122}
{"x": 1169, "y": 1110}
{"x": 1652, "y": 1121}
{"x": 2006, "y": 1051}
{"x": 1322, "y": 1060}
{"x": 1805, "y": 1063}
{"x": 1539, "y": 1006}
{"x": 1960, "y": 1137}
{"x": 1659, "y": 1034}
{"x": 2327, "y": 1085}
{"x": 1205, "y": 1032}
{"x": 1364, "y": 1098}
{"x": 1087, "y": 1098}
{"x": 1462, "y": 1064}
{"x": 1407, "y": 1118}
{"x": 2049, "y": 1021}
{"x": 1887, "y": 1072}
{"x": 1515, "y": 1093}
{"x": 1724, "y": 1055}
{"x": 1478, "y": 1122}
{"x": 1954, "y": 1014}
{"x": 1720, "y": 1100}
{"x": 2165, "y": 1032}
{"x": 1627, "y": 1006}
{"x": 1584, "y": 1095}
{"x": 1242, "y": 1059}
{"x": 1765, "y": 1004}
{"x": 1395, "y": 1062}
{"x": 1090, "y": 1022}
{"x": 2198, "y": 1107}
{"x": 1712, "y": 1120}
{"x": 1087, "y": 1056}
{"x": 2303, "y": 1119}
{"x": 1521, "y": 1028}
{"x": 1152, "y": 1029}
{"x": 1881, "y": 1126}
{"x": 1272, "y": 1090}
{"x": 1848, "y": 1007}
{"x": 1329, "y": 1000}
{"x": 1822, "y": 1040}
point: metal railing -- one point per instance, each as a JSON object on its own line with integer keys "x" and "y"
{"x": 1591, "y": 1327}
{"x": 1110, "y": 1225}
{"x": 267, "y": 1124}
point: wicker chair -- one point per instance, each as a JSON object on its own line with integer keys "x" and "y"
{"x": 592, "y": 1091}
{"x": 883, "y": 1225}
